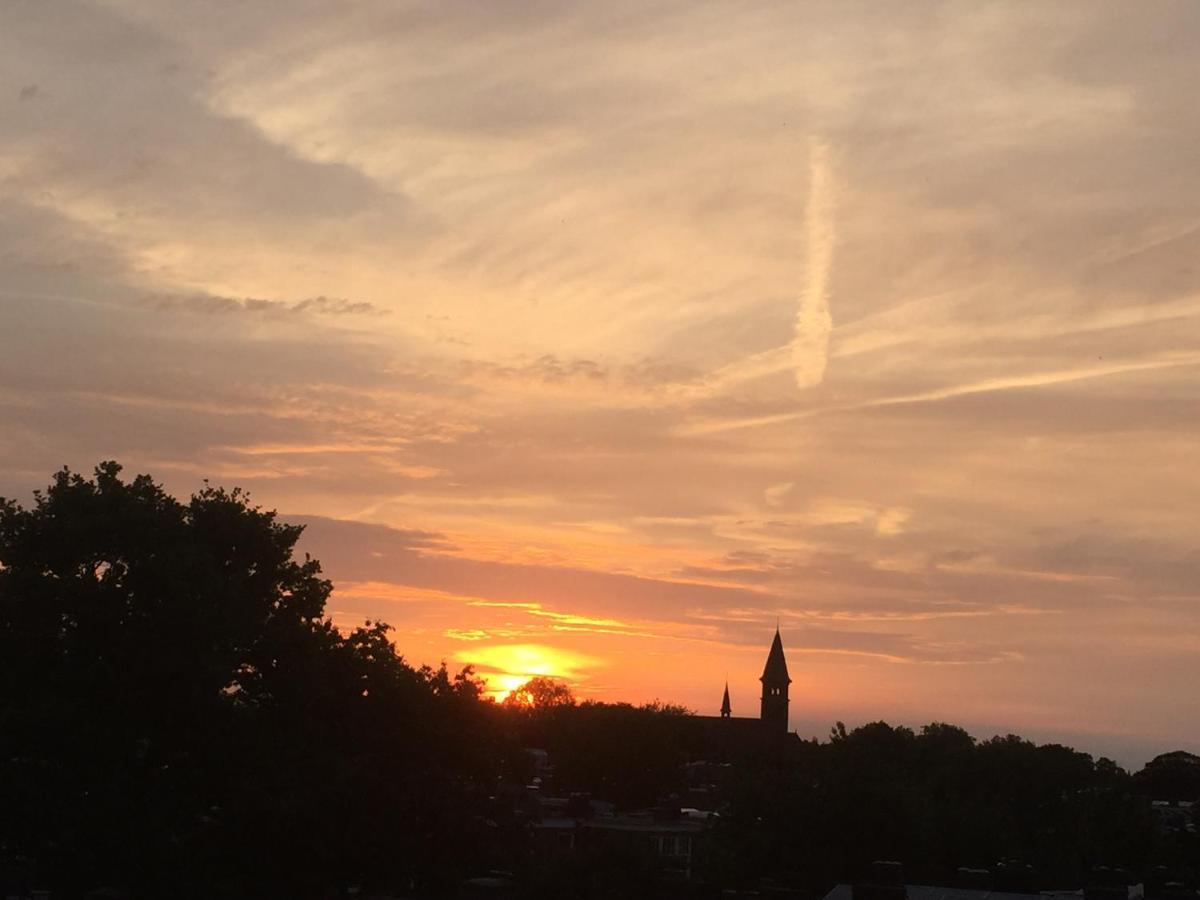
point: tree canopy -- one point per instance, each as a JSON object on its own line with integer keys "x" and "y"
{"x": 539, "y": 692}
{"x": 176, "y": 707}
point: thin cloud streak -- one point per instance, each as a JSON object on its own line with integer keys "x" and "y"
{"x": 990, "y": 385}
{"x": 814, "y": 321}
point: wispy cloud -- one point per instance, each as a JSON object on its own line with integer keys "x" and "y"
{"x": 209, "y": 304}
{"x": 814, "y": 321}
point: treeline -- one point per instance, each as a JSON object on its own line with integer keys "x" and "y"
{"x": 1037, "y": 817}
{"x": 178, "y": 718}
{"x": 812, "y": 814}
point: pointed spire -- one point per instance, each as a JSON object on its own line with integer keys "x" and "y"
{"x": 775, "y": 671}
{"x": 726, "y": 709}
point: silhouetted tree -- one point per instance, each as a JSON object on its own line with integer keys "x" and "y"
{"x": 540, "y": 692}
{"x": 178, "y": 716}
{"x": 936, "y": 800}
{"x": 1171, "y": 776}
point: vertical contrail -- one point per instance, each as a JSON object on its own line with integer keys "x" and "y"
{"x": 810, "y": 345}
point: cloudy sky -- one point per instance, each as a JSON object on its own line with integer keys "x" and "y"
{"x": 591, "y": 339}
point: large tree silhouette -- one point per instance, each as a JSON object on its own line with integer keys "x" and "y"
{"x": 175, "y": 709}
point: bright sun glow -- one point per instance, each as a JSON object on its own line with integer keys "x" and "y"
{"x": 508, "y": 666}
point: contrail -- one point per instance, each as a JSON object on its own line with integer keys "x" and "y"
{"x": 986, "y": 386}
{"x": 810, "y": 344}
{"x": 806, "y": 353}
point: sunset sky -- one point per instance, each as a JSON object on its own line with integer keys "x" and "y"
{"x": 590, "y": 340}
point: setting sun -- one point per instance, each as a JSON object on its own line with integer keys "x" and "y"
{"x": 505, "y": 667}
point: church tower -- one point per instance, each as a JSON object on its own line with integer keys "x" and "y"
{"x": 726, "y": 709}
{"x": 775, "y": 683}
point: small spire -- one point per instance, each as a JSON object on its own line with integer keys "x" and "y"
{"x": 726, "y": 709}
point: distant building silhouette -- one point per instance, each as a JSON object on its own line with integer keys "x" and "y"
{"x": 775, "y": 681}
{"x": 729, "y": 737}
{"x": 773, "y": 712}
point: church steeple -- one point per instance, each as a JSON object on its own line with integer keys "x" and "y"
{"x": 775, "y": 681}
{"x": 726, "y": 709}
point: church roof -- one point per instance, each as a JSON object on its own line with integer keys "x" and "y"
{"x": 725, "y": 707}
{"x": 776, "y": 668}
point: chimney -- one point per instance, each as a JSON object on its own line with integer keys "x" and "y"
{"x": 884, "y": 881}
{"x": 973, "y": 879}
{"x": 1155, "y": 882}
{"x": 579, "y": 806}
{"x": 667, "y": 810}
{"x": 1106, "y": 883}
{"x": 1014, "y": 877}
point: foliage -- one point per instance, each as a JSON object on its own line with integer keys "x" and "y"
{"x": 630, "y": 755}
{"x": 175, "y": 709}
{"x": 540, "y": 692}
{"x": 937, "y": 800}
{"x": 1172, "y": 776}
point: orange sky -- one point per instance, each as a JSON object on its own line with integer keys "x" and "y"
{"x": 591, "y": 339}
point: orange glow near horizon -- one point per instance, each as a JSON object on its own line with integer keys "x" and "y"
{"x": 505, "y": 667}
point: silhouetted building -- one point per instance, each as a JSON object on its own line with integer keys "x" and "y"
{"x": 726, "y": 737}
{"x": 927, "y": 892}
{"x": 1010, "y": 880}
{"x": 775, "y": 681}
{"x": 667, "y": 835}
{"x": 884, "y": 880}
